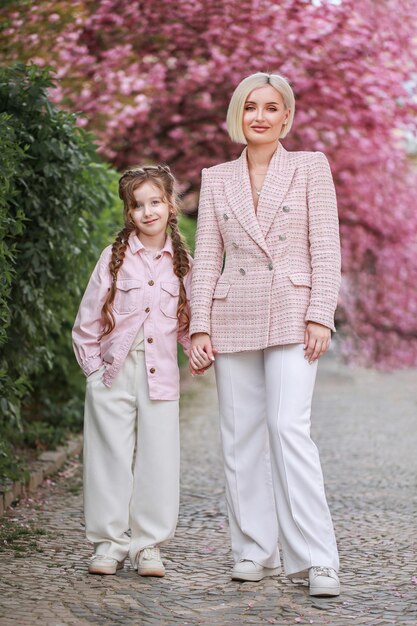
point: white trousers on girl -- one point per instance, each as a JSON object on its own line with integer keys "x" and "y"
{"x": 274, "y": 482}
{"x": 124, "y": 490}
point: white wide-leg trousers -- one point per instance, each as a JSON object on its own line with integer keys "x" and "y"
{"x": 274, "y": 482}
{"x": 123, "y": 489}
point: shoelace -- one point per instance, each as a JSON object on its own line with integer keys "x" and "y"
{"x": 322, "y": 571}
{"x": 102, "y": 557}
{"x": 149, "y": 554}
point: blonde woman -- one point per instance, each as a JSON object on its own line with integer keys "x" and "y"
{"x": 267, "y": 312}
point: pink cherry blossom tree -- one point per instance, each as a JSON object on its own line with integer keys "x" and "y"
{"x": 153, "y": 81}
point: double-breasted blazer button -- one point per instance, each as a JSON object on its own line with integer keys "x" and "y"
{"x": 226, "y": 217}
{"x": 286, "y": 209}
{"x": 242, "y": 271}
{"x": 282, "y": 237}
{"x": 270, "y": 266}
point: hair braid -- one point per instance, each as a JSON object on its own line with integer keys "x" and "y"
{"x": 181, "y": 265}
{"x": 117, "y": 257}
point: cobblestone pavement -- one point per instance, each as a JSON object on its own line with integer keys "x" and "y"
{"x": 365, "y": 424}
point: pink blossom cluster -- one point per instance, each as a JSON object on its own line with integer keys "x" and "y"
{"x": 153, "y": 81}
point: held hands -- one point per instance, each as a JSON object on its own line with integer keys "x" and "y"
{"x": 201, "y": 354}
{"x": 317, "y": 340}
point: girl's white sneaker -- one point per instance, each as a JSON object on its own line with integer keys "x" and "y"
{"x": 323, "y": 581}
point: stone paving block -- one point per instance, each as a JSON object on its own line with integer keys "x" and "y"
{"x": 36, "y": 477}
{"x": 53, "y": 460}
{"x": 75, "y": 446}
{"x": 8, "y": 498}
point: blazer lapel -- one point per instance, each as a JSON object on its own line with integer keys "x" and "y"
{"x": 239, "y": 197}
{"x": 276, "y": 184}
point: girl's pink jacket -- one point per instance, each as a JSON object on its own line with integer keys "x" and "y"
{"x": 282, "y": 265}
{"x": 147, "y": 295}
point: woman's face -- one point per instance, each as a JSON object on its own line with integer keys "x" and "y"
{"x": 264, "y": 114}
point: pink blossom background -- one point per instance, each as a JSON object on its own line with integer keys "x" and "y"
{"x": 153, "y": 81}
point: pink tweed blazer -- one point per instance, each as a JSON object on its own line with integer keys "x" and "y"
{"x": 282, "y": 264}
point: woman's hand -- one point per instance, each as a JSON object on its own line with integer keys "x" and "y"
{"x": 317, "y": 340}
{"x": 201, "y": 353}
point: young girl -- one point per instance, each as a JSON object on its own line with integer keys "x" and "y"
{"x": 125, "y": 339}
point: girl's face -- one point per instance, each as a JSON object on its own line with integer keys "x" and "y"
{"x": 151, "y": 211}
{"x": 264, "y": 114}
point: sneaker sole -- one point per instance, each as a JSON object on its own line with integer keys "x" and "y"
{"x": 104, "y": 571}
{"x": 325, "y": 592}
{"x": 256, "y": 576}
{"x": 151, "y": 572}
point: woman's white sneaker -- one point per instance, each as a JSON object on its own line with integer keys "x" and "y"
{"x": 323, "y": 582}
{"x": 102, "y": 564}
{"x": 249, "y": 570}
{"x": 148, "y": 562}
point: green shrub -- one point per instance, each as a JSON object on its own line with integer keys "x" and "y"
{"x": 53, "y": 187}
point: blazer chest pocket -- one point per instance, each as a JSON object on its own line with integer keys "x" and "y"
{"x": 128, "y": 293}
{"x": 170, "y": 293}
{"x": 301, "y": 279}
{"x": 221, "y": 291}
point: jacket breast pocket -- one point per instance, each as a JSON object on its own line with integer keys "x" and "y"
{"x": 170, "y": 293}
{"x": 128, "y": 294}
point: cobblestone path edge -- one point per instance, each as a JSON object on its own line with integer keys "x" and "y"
{"x": 47, "y": 464}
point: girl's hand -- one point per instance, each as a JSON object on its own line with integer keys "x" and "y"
{"x": 199, "y": 359}
{"x": 317, "y": 340}
{"x": 201, "y": 353}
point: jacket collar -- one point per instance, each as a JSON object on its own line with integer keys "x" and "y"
{"x": 136, "y": 245}
{"x": 276, "y": 184}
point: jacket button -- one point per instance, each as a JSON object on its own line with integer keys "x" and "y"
{"x": 286, "y": 209}
{"x": 147, "y": 309}
{"x": 150, "y": 340}
{"x": 234, "y": 244}
{"x": 151, "y": 283}
{"x": 152, "y": 370}
{"x": 282, "y": 237}
{"x": 226, "y": 217}
{"x": 242, "y": 271}
{"x": 270, "y": 266}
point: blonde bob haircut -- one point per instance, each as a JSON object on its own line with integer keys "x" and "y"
{"x": 241, "y": 93}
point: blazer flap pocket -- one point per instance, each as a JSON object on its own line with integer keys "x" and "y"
{"x": 301, "y": 278}
{"x": 126, "y": 284}
{"x": 221, "y": 290}
{"x": 171, "y": 288}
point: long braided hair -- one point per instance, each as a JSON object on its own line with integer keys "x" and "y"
{"x": 161, "y": 177}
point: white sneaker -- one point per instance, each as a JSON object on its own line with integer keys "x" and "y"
{"x": 249, "y": 570}
{"x": 323, "y": 581}
{"x": 148, "y": 562}
{"x": 102, "y": 564}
